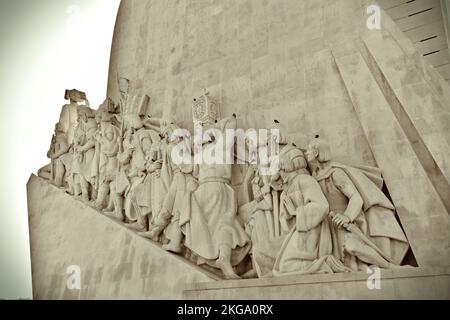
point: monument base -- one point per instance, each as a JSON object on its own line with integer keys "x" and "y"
{"x": 116, "y": 263}
{"x": 410, "y": 283}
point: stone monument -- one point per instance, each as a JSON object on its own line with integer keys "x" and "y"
{"x": 293, "y": 149}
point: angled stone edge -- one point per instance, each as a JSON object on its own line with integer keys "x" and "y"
{"x": 153, "y": 245}
{"x": 406, "y": 272}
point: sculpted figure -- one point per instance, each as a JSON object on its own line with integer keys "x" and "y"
{"x": 178, "y": 194}
{"x": 138, "y": 151}
{"x": 210, "y": 225}
{"x": 59, "y": 154}
{"x": 258, "y": 216}
{"x": 146, "y": 197}
{"x": 308, "y": 246}
{"x": 84, "y": 150}
{"x": 106, "y": 164}
{"x": 364, "y": 228}
{"x": 68, "y": 119}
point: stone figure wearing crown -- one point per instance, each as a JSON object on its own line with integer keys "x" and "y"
{"x": 210, "y": 225}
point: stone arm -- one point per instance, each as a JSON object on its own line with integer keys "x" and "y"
{"x": 315, "y": 205}
{"x": 346, "y": 186}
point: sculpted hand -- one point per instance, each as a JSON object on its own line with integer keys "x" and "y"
{"x": 156, "y": 165}
{"x": 340, "y": 220}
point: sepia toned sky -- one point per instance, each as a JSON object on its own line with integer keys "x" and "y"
{"x": 46, "y": 46}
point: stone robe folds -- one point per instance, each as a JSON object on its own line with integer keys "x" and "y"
{"x": 131, "y": 182}
{"x": 260, "y": 224}
{"x": 308, "y": 247}
{"x": 151, "y": 193}
{"x": 105, "y": 166}
{"x": 376, "y": 219}
{"x": 211, "y": 220}
{"x": 83, "y": 160}
{"x": 68, "y": 120}
{"x": 177, "y": 196}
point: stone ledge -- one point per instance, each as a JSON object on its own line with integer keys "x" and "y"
{"x": 407, "y": 283}
{"x": 423, "y": 283}
{"x": 320, "y": 278}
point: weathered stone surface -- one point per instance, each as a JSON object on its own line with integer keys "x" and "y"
{"x": 114, "y": 262}
{"x": 402, "y": 169}
{"x": 315, "y": 66}
{"x": 414, "y": 283}
{"x": 264, "y": 60}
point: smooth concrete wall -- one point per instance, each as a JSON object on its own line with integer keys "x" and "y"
{"x": 114, "y": 262}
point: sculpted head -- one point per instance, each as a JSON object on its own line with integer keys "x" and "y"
{"x": 318, "y": 151}
{"x": 279, "y": 136}
{"x": 124, "y": 85}
{"x": 291, "y": 162}
{"x": 168, "y": 127}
